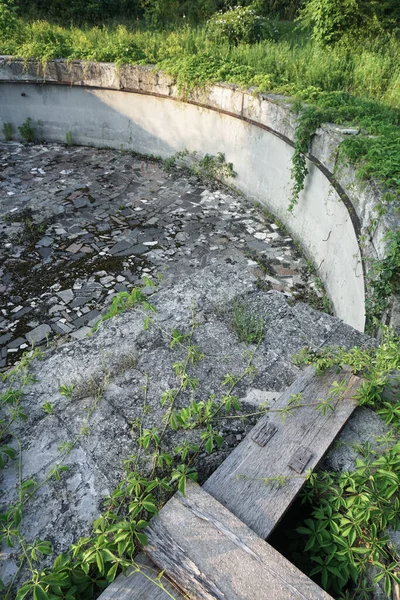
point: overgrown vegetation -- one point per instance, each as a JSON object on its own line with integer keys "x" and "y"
{"x": 384, "y": 279}
{"x": 155, "y": 13}
{"x": 347, "y": 532}
{"x": 376, "y": 364}
{"x": 343, "y": 67}
{"x": 210, "y": 169}
{"x": 340, "y": 79}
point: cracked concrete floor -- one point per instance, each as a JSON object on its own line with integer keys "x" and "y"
{"x": 78, "y": 226}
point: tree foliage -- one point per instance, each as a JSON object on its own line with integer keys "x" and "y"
{"x": 332, "y": 21}
{"x": 156, "y": 13}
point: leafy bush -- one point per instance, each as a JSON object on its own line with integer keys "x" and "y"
{"x": 240, "y": 24}
{"x": 8, "y": 25}
{"x": 351, "y": 512}
{"x": 45, "y": 39}
{"x": 332, "y": 21}
{"x": 8, "y": 17}
{"x": 27, "y": 130}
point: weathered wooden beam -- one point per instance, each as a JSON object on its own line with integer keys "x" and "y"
{"x": 205, "y": 548}
{"x": 213, "y": 555}
{"x": 142, "y": 585}
{"x": 278, "y": 447}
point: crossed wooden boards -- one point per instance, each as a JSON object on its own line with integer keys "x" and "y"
{"x": 209, "y": 545}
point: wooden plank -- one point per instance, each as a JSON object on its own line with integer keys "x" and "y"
{"x": 214, "y": 556}
{"x": 297, "y": 444}
{"x": 135, "y": 586}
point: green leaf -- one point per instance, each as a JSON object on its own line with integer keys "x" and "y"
{"x": 100, "y": 562}
{"x": 61, "y": 561}
{"x": 10, "y": 452}
{"x": 108, "y": 555}
{"x": 361, "y": 550}
{"x": 39, "y": 593}
{"x": 44, "y": 547}
{"x": 142, "y": 537}
{"x": 111, "y": 573}
{"x": 387, "y": 585}
{"x": 352, "y": 537}
{"x": 150, "y": 506}
{"x": 56, "y": 579}
{"x": 23, "y": 591}
{"x": 182, "y": 485}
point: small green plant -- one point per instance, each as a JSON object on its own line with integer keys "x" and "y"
{"x": 248, "y": 324}
{"x": 48, "y": 408}
{"x": 67, "y": 390}
{"x": 27, "y": 130}
{"x": 8, "y": 131}
{"x": 69, "y": 138}
{"x": 208, "y": 168}
{"x": 125, "y": 300}
{"x": 93, "y": 386}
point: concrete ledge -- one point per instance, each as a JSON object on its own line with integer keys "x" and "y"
{"x": 136, "y": 108}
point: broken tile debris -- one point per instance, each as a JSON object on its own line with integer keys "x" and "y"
{"x": 78, "y": 225}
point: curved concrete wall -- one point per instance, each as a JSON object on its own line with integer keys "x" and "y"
{"x": 135, "y": 108}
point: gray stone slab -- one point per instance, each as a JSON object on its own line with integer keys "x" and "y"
{"x": 121, "y": 247}
{"x": 38, "y": 334}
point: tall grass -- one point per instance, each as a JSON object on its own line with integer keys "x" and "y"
{"x": 293, "y": 62}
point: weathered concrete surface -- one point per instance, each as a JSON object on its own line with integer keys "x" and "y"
{"x": 79, "y": 225}
{"x": 255, "y": 132}
{"x": 119, "y": 358}
{"x": 210, "y": 246}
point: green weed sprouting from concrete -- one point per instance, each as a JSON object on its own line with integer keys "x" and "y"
{"x": 27, "y": 130}
{"x": 125, "y": 300}
{"x": 69, "y": 138}
{"x": 247, "y": 323}
{"x": 8, "y": 131}
{"x": 209, "y": 168}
